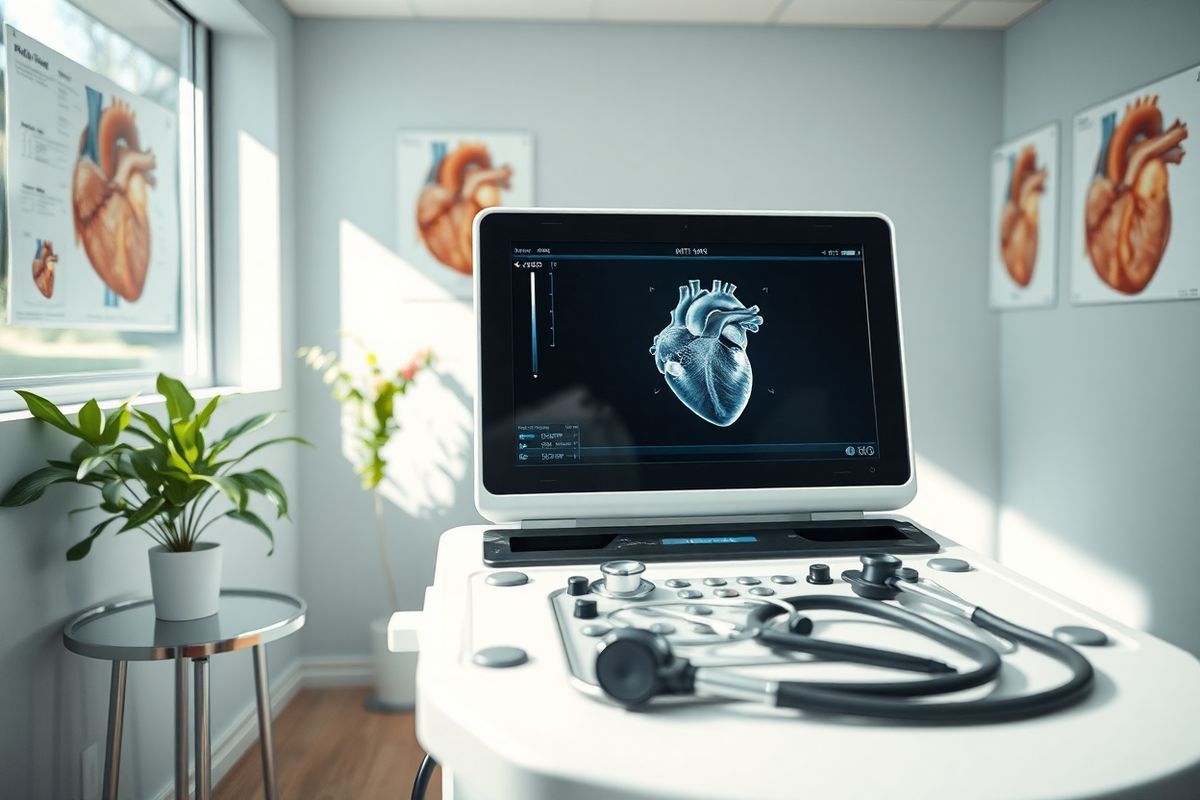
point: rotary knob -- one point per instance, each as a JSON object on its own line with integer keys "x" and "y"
{"x": 818, "y": 574}
{"x": 577, "y": 585}
{"x": 585, "y": 608}
{"x": 622, "y": 578}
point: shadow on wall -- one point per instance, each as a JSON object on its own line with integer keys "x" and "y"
{"x": 396, "y": 311}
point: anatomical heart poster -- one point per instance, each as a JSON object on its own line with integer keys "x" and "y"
{"x": 1136, "y": 196}
{"x": 94, "y": 237}
{"x": 444, "y": 179}
{"x": 1024, "y": 222}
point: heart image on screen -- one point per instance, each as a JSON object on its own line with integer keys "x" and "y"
{"x": 1127, "y": 215}
{"x": 460, "y": 184}
{"x": 45, "y": 260}
{"x": 1019, "y": 217}
{"x": 702, "y": 353}
{"x": 110, "y": 196}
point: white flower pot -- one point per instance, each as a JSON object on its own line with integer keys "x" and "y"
{"x": 186, "y": 585}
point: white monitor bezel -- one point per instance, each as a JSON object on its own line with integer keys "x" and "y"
{"x": 687, "y": 502}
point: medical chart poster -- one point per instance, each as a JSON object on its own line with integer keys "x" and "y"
{"x": 1024, "y": 222}
{"x": 94, "y": 222}
{"x": 1136, "y": 196}
{"x": 443, "y": 179}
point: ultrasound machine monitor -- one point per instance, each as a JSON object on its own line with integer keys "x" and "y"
{"x": 642, "y": 364}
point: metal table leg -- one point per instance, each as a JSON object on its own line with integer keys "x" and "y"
{"x": 203, "y": 739}
{"x": 266, "y": 744}
{"x": 116, "y": 725}
{"x": 181, "y": 727}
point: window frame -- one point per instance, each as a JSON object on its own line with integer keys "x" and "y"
{"x": 197, "y": 315}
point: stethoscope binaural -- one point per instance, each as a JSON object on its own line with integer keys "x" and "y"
{"x": 633, "y": 665}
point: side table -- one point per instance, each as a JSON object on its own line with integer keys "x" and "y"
{"x": 129, "y": 631}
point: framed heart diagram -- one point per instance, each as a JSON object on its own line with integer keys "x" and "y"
{"x": 1135, "y": 196}
{"x": 92, "y": 197}
{"x": 444, "y": 179}
{"x": 1024, "y": 221}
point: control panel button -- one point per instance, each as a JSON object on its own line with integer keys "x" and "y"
{"x": 699, "y": 611}
{"x": 818, "y": 574}
{"x": 762, "y": 591}
{"x": 500, "y": 657}
{"x": 577, "y": 585}
{"x": 949, "y": 565}
{"x": 748, "y": 581}
{"x": 689, "y": 594}
{"x": 725, "y": 592}
{"x": 703, "y": 629}
{"x": 1080, "y": 635}
{"x": 585, "y": 608}
{"x": 507, "y": 579}
{"x": 783, "y": 579}
{"x": 714, "y": 581}
{"x": 595, "y": 629}
{"x": 662, "y": 628}
{"x": 677, "y": 583}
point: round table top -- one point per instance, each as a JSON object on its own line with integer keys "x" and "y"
{"x": 129, "y": 631}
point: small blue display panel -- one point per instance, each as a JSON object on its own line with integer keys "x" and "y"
{"x": 710, "y": 540}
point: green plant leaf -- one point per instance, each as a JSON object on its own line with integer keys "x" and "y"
{"x": 90, "y": 465}
{"x": 91, "y": 421}
{"x": 180, "y": 403}
{"x": 144, "y": 514}
{"x": 117, "y": 421}
{"x": 82, "y": 548}
{"x": 228, "y": 486}
{"x": 47, "y": 412}
{"x": 266, "y": 484}
{"x": 262, "y": 445}
{"x": 206, "y": 413}
{"x": 33, "y": 485}
{"x": 154, "y": 425}
{"x": 176, "y": 459}
{"x": 246, "y": 426}
{"x": 114, "y": 503}
{"x": 252, "y": 519}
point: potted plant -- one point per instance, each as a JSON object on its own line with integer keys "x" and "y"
{"x": 370, "y": 396}
{"x": 162, "y": 483}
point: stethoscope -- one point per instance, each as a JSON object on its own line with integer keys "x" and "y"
{"x": 634, "y": 664}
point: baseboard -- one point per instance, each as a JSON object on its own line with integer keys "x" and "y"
{"x": 232, "y": 743}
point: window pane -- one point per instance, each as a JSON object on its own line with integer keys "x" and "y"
{"x": 145, "y": 47}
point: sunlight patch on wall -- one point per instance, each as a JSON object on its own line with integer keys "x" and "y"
{"x": 950, "y": 507}
{"x": 430, "y": 459}
{"x": 259, "y": 265}
{"x": 1041, "y": 555}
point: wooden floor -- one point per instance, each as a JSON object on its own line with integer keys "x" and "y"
{"x": 327, "y": 747}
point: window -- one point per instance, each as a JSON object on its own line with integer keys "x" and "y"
{"x": 153, "y": 49}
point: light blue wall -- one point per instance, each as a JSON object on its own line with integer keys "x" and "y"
{"x": 1099, "y": 422}
{"x": 53, "y": 704}
{"x": 654, "y": 116}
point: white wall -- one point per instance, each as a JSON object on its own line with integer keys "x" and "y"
{"x": 650, "y": 116}
{"x": 53, "y": 704}
{"x": 1098, "y": 403}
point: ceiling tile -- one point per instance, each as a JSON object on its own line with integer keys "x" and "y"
{"x": 711, "y": 11}
{"x": 349, "y": 8}
{"x": 501, "y": 9}
{"x": 881, "y": 13}
{"x": 990, "y": 13}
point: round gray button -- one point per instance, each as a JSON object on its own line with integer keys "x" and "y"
{"x": 949, "y": 565}
{"x": 677, "y": 583}
{"x": 595, "y": 629}
{"x": 1080, "y": 635}
{"x": 704, "y": 629}
{"x": 508, "y": 579}
{"x": 699, "y": 611}
{"x": 725, "y": 592}
{"x": 689, "y": 594}
{"x": 500, "y": 657}
{"x": 783, "y": 579}
{"x": 762, "y": 591}
{"x": 664, "y": 628}
{"x": 747, "y": 581}
{"x": 714, "y": 581}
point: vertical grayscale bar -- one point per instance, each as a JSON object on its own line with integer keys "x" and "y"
{"x": 533, "y": 319}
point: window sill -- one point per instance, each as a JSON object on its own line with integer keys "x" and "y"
{"x": 204, "y": 393}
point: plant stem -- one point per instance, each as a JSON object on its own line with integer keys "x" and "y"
{"x": 393, "y": 591}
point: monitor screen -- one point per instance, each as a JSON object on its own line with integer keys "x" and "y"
{"x": 689, "y": 355}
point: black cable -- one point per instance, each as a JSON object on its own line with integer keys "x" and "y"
{"x": 855, "y": 700}
{"x": 421, "y": 782}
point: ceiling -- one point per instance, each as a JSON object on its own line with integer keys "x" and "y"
{"x": 994, "y": 14}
